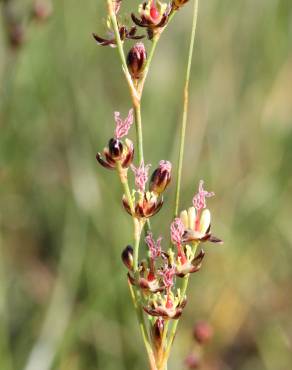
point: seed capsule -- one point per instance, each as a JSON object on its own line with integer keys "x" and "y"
{"x": 136, "y": 60}
{"x": 127, "y": 257}
{"x": 115, "y": 148}
{"x": 160, "y": 178}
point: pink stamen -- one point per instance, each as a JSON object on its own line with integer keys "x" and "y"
{"x": 177, "y": 230}
{"x": 199, "y": 200}
{"x": 141, "y": 175}
{"x": 123, "y": 126}
{"x": 154, "y": 247}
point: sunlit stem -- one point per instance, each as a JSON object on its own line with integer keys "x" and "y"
{"x": 120, "y": 48}
{"x": 143, "y": 327}
{"x": 148, "y": 63}
{"x": 185, "y": 109}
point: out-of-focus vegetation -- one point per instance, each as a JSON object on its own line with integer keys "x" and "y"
{"x": 64, "y": 301}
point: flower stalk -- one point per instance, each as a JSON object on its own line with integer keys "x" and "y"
{"x": 158, "y": 283}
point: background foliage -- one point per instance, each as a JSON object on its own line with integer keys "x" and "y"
{"x": 64, "y": 302}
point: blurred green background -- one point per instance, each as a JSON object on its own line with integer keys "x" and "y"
{"x": 64, "y": 301}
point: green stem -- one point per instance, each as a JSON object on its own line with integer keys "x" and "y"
{"x": 174, "y": 326}
{"x": 137, "y": 226}
{"x": 185, "y": 108}
{"x": 143, "y": 327}
{"x": 148, "y": 63}
{"x": 180, "y": 163}
{"x": 124, "y": 180}
{"x": 115, "y": 26}
{"x": 139, "y": 133}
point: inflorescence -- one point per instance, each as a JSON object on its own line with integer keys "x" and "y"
{"x": 155, "y": 278}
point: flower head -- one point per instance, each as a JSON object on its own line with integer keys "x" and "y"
{"x": 199, "y": 200}
{"x": 154, "y": 246}
{"x": 123, "y": 126}
{"x": 141, "y": 175}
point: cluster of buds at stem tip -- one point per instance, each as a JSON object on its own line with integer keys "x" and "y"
{"x": 153, "y": 16}
{"x": 148, "y": 203}
{"x": 117, "y": 150}
{"x": 136, "y": 60}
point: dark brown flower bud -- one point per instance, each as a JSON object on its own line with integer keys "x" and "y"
{"x": 127, "y": 257}
{"x": 157, "y": 333}
{"x": 136, "y": 60}
{"x": 160, "y": 178}
{"x": 203, "y": 332}
{"x": 192, "y": 361}
{"x": 115, "y": 148}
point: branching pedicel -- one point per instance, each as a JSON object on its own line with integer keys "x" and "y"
{"x": 158, "y": 283}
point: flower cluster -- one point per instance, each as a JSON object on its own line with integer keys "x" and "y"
{"x": 157, "y": 274}
{"x": 148, "y": 202}
{"x": 153, "y": 15}
{"x": 117, "y": 150}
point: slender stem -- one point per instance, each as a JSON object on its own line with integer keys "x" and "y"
{"x": 139, "y": 134}
{"x": 114, "y": 22}
{"x": 124, "y": 181}
{"x": 148, "y": 63}
{"x": 137, "y": 224}
{"x": 174, "y": 326}
{"x": 180, "y": 162}
{"x": 185, "y": 108}
{"x": 143, "y": 327}
{"x": 137, "y": 236}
